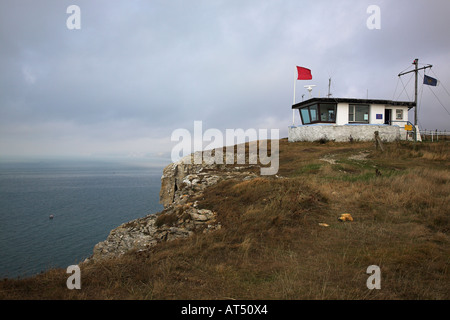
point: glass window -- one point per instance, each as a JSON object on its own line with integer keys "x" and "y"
{"x": 399, "y": 114}
{"x": 323, "y": 112}
{"x": 358, "y": 113}
{"x": 305, "y": 115}
{"x": 327, "y": 112}
{"x": 314, "y": 113}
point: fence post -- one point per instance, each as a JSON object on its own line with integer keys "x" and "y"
{"x": 378, "y": 143}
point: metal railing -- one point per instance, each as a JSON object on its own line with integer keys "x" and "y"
{"x": 409, "y": 133}
{"x": 435, "y": 135}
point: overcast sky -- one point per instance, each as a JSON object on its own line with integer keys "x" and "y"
{"x": 137, "y": 70}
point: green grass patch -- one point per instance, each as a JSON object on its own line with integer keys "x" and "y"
{"x": 312, "y": 168}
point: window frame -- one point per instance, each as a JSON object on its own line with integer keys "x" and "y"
{"x": 353, "y": 113}
{"x": 306, "y": 110}
{"x": 318, "y": 113}
{"x": 324, "y": 108}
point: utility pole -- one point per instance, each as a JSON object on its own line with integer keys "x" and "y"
{"x": 416, "y": 70}
{"x": 416, "y": 63}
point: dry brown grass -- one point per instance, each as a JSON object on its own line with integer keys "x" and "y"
{"x": 271, "y": 245}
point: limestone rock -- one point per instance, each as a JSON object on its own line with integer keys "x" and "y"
{"x": 181, "y": 216}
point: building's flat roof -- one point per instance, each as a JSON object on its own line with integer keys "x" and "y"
{"x": 353, "y": 100}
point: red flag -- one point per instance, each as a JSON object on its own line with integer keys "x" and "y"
{"x": 304, "y": 74}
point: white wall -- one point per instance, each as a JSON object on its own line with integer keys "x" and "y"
{"x": 374, "y": 110}
{"x": 342, "y": 114}
{"x": 343, "y": 133}
{"x": 393, "y": 117}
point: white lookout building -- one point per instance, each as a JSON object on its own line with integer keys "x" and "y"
{"x": 346, "y": 119}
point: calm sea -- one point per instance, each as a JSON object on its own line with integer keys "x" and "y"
{"x": 87, "y": 201}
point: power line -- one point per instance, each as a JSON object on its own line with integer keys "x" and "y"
{"x": 440, "y": 82}
{"x": 437, "y": 98}
{"x": 395, "y": 91}
{"x": 404, "y": 87}
{"x": 439, "y": 101}
{"x": 405, "y": 69}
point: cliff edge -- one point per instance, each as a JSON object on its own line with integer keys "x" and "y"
{"x": 181, "y": 185}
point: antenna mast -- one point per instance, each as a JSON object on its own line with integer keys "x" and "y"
{"x": 329, "y": 85}
{"x": 309, "y": 88}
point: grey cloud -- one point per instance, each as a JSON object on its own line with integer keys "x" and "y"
{"x": 137, "y": 70}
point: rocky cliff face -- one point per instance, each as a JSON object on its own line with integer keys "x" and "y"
{"x": 181, "y": 216}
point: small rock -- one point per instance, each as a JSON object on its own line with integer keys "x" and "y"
{"x": 198, "y": 217}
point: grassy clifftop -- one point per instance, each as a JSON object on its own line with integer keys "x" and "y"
{"x": 281, "y": 239}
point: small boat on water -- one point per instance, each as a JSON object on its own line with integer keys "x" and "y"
{"x": 51, "y": 216}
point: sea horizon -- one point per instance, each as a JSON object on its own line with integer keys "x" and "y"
{"x": 87, "y": 198}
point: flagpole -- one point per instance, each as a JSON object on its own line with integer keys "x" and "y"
{"x": 293, "y": 111}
